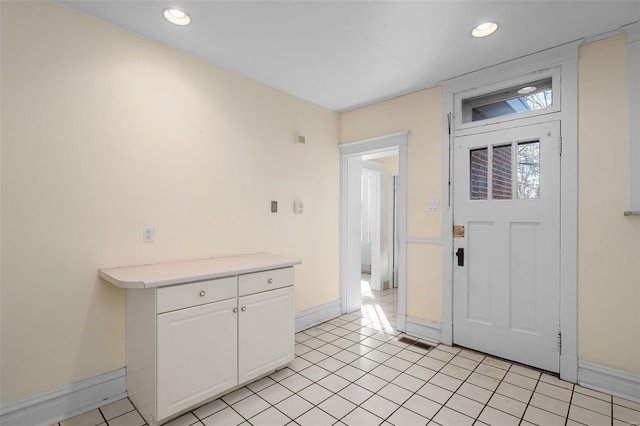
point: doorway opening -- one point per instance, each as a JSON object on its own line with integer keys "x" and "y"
{"x": 373, "y": 229}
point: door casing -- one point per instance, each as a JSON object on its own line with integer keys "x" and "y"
{"x": 352, "y": 150}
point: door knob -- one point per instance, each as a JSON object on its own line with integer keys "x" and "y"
{"x": 460, "y": 254}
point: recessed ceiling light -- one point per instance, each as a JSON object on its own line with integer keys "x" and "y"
{"x": 484, "y": 29}
{"x": 176, "y": 16}
{"x": 527, "y": 90}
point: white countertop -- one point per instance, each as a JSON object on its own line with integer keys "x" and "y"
{"x": 163, "y": 274}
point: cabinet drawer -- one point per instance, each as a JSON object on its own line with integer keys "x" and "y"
{"x": 193, "y": 294}
{"x": 263, "y": 281}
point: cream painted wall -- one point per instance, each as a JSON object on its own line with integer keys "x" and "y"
{"x": 609, "y": 243}
{"x": 421, "y": 114}
{"x": 103, "y": 132}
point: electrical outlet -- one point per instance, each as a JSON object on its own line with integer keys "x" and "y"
{"x": 147, "y": 234}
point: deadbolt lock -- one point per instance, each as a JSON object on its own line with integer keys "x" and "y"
{"x": 458, "y": 231}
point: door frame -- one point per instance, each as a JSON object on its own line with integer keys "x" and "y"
{"x": 392, "y": 234}
{"x": 565, "y": 59}
{"x": 357, "y": 149}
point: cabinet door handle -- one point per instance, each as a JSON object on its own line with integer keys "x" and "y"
{"x": 235, "y": 310}
{"x": 202, "y": 293}
{"x": 270, "y": 280}
{"x": 244, "y": 308}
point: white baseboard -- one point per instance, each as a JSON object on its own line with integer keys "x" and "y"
{"x": 426, "y": 330}
{"x": 318, "y": 314}
{"x": 617, "y": 382}
{"x": 65, "y": 402}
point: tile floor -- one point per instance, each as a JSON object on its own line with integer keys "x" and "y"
{"x": 354, "y": 371}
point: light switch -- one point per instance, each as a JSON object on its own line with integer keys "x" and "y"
{"x": 433, "y": 205}
{"x": 274, "y": 207}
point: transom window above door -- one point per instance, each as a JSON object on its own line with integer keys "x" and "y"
{"x": 505, "y": 172}
{"x": 529, "y": 96}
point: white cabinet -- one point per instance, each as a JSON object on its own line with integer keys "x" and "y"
{"x": 266, "y": 332}
{"x": 197, "y": 355}
{"x": 189, "y": 343}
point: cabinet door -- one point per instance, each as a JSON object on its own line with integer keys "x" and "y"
{"x": 266, "y": 332}
{"x": 197, "y": 355}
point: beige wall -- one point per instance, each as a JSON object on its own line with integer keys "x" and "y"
{"x": 421, "y": 114}
{"x": 609, "y": 243}
{"x": 103, "y": 132}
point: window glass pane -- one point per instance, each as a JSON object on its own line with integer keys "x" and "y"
{"x": 531, "y": 96}
{"x": 529, "y": 170}
{"x": 501, "y": 168}
{"x": 479, "y": 173}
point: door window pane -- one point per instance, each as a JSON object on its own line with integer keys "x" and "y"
{"x": 529, "y": 170}
{"x": 501, "y": 169}
{"x": 479, "y": 173}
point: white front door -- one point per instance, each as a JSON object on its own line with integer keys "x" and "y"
{"x": 506, "y": 297}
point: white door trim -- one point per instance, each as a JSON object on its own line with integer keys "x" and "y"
{"x": 369, "y": 146}
{"x": 565, "y": 57}
{"x": 392, "y": 237}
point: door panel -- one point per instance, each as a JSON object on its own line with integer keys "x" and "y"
{"x": 479, "y": 287}
{"x": 506, "y": 195}
{"x": 525, "y": 281}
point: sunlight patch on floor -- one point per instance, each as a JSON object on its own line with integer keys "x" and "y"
{"x": 365, "y": 289}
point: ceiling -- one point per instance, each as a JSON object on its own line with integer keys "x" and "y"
{"x": 346, "y": 54}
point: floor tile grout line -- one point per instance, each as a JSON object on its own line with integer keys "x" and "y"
{"x": 105, "y": 417}
{"x": 566, "y": 419}
{"x": 533, "y": 392}
{"x": 611, "y": 397}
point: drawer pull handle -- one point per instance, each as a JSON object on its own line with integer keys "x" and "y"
{"x": 244, "y": 308}
{"x": 202, "y": 293}
{"x": 270, "y": 281}
{"x": 235, "y": 310}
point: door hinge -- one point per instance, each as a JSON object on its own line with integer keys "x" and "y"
{"x": 559, "y": 145}
{"x": 560, "y": 342}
